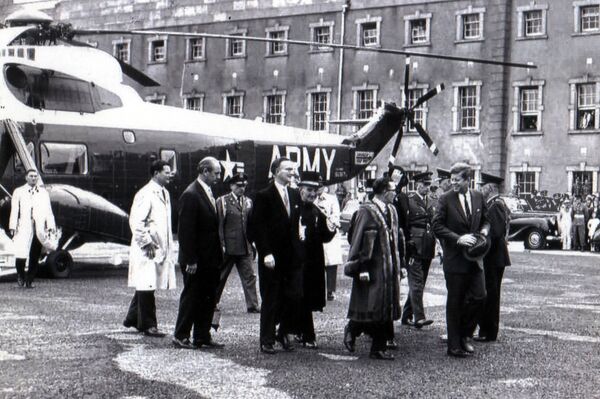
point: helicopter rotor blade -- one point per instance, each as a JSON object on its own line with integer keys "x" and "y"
{"x": 406, "y": 77}
{"x": 428, "y": 141}
{"x": 83, "y": 32}
{"x": 431, "y": 93}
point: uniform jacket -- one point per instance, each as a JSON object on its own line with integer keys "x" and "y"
{"x": 29, "y": 207}
{"x": 233, "y": 223}
{"x": 150, "y": 222}
{"x": 450, "y": 222}
{"x": 198, "y": 229}
{"x": 333, "y": 249}
{"x": 420, "y": 214}
{"x": 498, "y": 215}
{"x": 374, "y": 245}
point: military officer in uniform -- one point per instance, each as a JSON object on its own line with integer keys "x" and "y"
{"x": 234, "y": 211}
{"x": 421, "y": 247}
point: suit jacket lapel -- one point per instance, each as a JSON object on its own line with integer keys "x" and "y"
{"x": 279, "y": 200}
{"x": 460, "y": 208}
{"x": 475, "y": 205}
{"x": 204, "y": 196}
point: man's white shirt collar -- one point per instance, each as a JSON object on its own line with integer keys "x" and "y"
{"x": 206, "y": 188}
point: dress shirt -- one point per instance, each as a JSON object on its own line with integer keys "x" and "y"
{"x": 466, "y": 196}
{"x": 283, "y": 193}
{"x": 208, "y": 192}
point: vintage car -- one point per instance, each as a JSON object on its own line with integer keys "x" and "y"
{"x": 537, "y": 229}
{"x": 7, "y": 257}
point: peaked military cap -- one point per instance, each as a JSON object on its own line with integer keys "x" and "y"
{"x": 237, "y": 178}
{"x": 443, "y": 173}
{"x": 488, "y": 178}
{"x": 310, "y": 179}
{"x": 424, "y": 177}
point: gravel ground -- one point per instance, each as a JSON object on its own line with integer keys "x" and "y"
{"x": 64, "y": 339}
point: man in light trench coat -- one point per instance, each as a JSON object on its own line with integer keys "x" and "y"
{"x": 27, "y": 222}
{"x": 151, "y": 264}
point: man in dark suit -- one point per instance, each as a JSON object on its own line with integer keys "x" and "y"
{"x": 461, "y": 214}
{"x": 234, "y": 210}
{"x": 275, "y": 223}
{"x": 421, "y": 241}
{"x": 494, "y": 262}
{"x": 200, "y": 255}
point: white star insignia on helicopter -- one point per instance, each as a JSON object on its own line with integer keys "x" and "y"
{"x": 228, "y": 166}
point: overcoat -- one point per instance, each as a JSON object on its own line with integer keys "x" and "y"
{"x": 313, "y": 233}
{"x": 498, "y": 215}
{"x": 332, "y": 249}
{"x": 377, "y": 300}
{"x": 150, "y": 222}
{"x": 28, "y": 205}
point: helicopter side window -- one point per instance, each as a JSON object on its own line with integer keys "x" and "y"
{"x": 47, "y": 89}
{"x": 170, "y": 156}
{"x": 64, "y": 158}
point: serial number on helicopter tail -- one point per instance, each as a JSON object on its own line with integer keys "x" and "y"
{"x": 363, "y": 157}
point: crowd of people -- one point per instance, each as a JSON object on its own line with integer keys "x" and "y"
{"x": 293, "y": 233}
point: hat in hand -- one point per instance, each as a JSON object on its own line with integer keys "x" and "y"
{"x": 481, "y": 247}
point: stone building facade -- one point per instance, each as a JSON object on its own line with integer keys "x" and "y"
{"x": 538, "y": 128}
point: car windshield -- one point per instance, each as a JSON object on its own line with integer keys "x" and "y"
{"x": 516, "y": 204}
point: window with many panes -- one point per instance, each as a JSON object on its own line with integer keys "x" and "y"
{"x": 531, "y": 21}
{"x": 367, "y": 31}
{"x": 590, "y": 18}
{"x": 322, "y": 35}
{"x": 121, "y": 50}
{"x": 586, "y": 106}
{"x": 196, "y": 49}
{"x": 471, "y": 26}
{"x": 276, "y": 48}
{"x": 194, "y": 103}
{"x": 526, "y": 182}
{"x": 158, "y": 50}
{"x": 319, "y": 111}
{"x": 274, "y": 108}
{"x": 418, "y": 31}
{"x": 528, "y": 107}
{"x": 321, "y": 32}
{"x": 365, "y": 104}
{"x": 236, "y": 47}
{"x": 468, "y": 113}
{"x": 534, "y": 23}
{"x": 413, "y": 96}
{"x": 233, "y": 106}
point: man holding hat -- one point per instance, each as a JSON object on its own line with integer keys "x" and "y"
{"x": 459, "y": 218}
{"x": 234, "y": 211}
{"x": 314, "y": 229}
{"x": 421, "y": 245}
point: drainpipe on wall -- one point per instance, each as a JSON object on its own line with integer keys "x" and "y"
{"x": 345, "y": 7}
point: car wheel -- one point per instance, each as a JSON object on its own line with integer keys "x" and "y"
{"x": 59, "y": 264}
{"x": 535, "y": 239}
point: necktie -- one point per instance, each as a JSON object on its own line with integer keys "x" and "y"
{"x": 467, "y": 208}
{"x": 286, "y": 201}
{"x": 210, "y": 197}
{"x": 241, "y": 201}
{"x": 164, "y": 195}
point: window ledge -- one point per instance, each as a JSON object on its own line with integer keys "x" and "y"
{"x": 196, "y": 60}
{"x": 369, "y": 46}
{"x": 157, "y": 62}
{"x": 235, "y": 57}
{"x": 317, "y": 51}
{"x": 462, "y": 41}
{"x": 276, "y": 55}
{"x": 590, "y": 131}
{"x": 578, "y": 34}
{"x": 526, "y": 134}
{"x": 534, "y": 37}
{"x": 466, "y": 133}
{"x": 413, "y": 45}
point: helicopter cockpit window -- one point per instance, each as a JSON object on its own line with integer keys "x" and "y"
{"x": 46, "y": 89}
{"x": 64, "y": 158}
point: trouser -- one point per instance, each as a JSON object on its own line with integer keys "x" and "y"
{"x": 378, "y": 331}
{"x": 306, "y": 325}
{"x": 418, "y": 270}
{"x": 35, "y": 250}
{"x": 565, "y": 236}
{"x": 331, "y": 274}
{"x": 276, "y": 308}
{"x": 579, "y": 237}
{"x": 197, "y": 304}
{"x": 142, "y": 311}
{"x": 245, "y": 268}
{"x": 489, "y": 318}
{"x": 461, "y": 314}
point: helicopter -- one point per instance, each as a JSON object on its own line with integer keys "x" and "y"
{"x": 66, "y": 112}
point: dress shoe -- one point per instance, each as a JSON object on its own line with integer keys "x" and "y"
{"x": 407, "y": 322}
{"x": 20, "y": 282}
{"x": 129, "y": 324}
{"x": 310, "y": 344}
{"x": 381, "y": 355}
{"x": 267, "y": 348}
{"x": 423, "y": 322}
{"x": 284, "y": 340}
{"x": 466, "y": 345}
{"x": 183, "y": 343}
{"x": 349, "y": 340}
{"x": 330, "y": 296}
{"x": 457, "y": 353}
{"x": 253, "y": 310}
{"x": 444, "y": 338}
{"x": 209, "y": 344}
{"x": 391, "y": 344}
{"x": 29, "y": 284}
{"x": 154, "y": 332}
{"x": 481, "y": 338}
{"x": 298, "y": 338}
